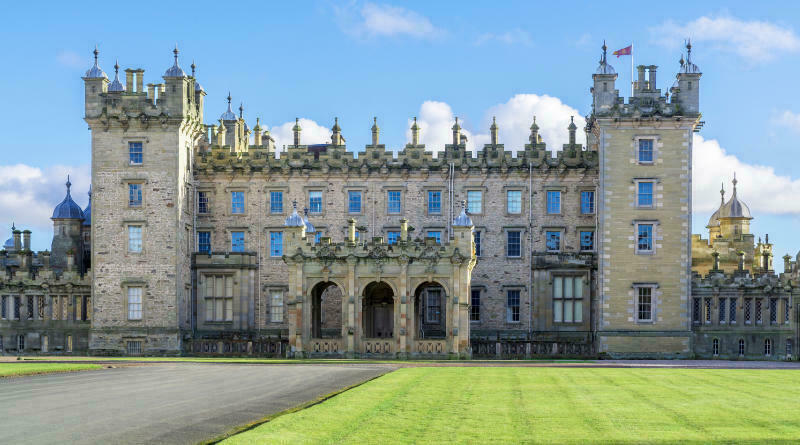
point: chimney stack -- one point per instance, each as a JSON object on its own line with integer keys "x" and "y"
{"x": 129, "y": 80}
{"x": 26, "y": 239}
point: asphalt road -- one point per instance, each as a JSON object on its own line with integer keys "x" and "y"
{"x": 164, "y": 403}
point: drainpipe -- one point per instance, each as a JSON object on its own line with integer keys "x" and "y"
{"x": 530, "y": 248}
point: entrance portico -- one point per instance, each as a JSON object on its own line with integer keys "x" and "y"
{"x": 405, "y": 299}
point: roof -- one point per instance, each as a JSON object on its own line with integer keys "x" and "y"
{"x": 228, "y": 115}
{"x": 735, "y": 208}
{"x": 175, "y": 70}
{"x": 604, "y": 67}
{"x": 463, "y": 220}
{"x": 294, "y": 220}
{"x": 95, "y": 72}
{"x": 116, "y": 85}
{"x": 67, "y": 209}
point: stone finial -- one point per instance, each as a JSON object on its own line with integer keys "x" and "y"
{"x": 296, "y": 130}
{"x": 456, "y": 133}
{"x": 257, "y": 133}
{"x": 336, "y": 133}
{"x": 415, "y": 130}
{"x": 787, "y": 263}
{"x": 193, "y": 66}
{"x": 572, "y": 128}
{"x": 741, "y": 260}
{"x": 376, "y": 131}
{"x": 493, "y": 131}
{"x": 241, "y": 110}
{"x": 534, "y": 137}
{"x": 715, "y": 256}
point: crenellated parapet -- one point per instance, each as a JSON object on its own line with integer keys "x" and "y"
{"x": 765, "y": 283}
{"x": 178, "y": 100}
{"x": 333, "y": 158}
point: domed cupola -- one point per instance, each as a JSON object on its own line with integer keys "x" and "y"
{"x": 463, "y": 220}
{"x": 687, "y": 67}
{"x": 95, "y": 72}
{"x": 735, "y": 208}
{"x": 9, "y": 244}
{"x": 175, "y": 70}
{"x": 294, "y": 220}
{"x": 68, "y": 209}
{"x": 228, "y": 115}
{"x": 604, "y": 67}
{"x": 116, "y": 85}
{"x": 87, "y": 212}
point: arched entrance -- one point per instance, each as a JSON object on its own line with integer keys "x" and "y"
{"x": 326, "y": 310}
{"x": 378, "y": 311}
{"x": 430, "y": 316}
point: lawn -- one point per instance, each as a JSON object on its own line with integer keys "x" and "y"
{"x": 549, "y": 405}
{"x": 16, "y": 369}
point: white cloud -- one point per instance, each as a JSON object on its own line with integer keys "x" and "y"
{"x": 29, "y": 194}
{"x": 514, "y": 119}
{"x": 513, "y": 37}
{"x": 380, "y": 20}
{"x": 71, "y": 59}
{"x": 791, "y": 120}
{"x": 759, "y": 186}
{"x": 312, "y": 133}
{"x": 754, "y": 40}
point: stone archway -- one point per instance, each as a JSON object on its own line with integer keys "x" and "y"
{"x": 326, "y": 310}
{"x": 378, "y": 311}
{"x": 378, "y": 318}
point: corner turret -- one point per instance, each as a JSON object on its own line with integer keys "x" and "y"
{"x": 604, "y": 92}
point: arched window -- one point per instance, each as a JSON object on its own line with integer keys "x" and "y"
{"x": 767, "y": 347}
{"x": 20, "y": 343}
{"x": 741, "y": 347}
{"x": 715, "y": 347}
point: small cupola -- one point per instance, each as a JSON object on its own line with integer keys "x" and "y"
{"x": 175, "y": 70}
{"x": 116, "y": 86}
{"x": 95, "y": 72}
{"x": 68, "y": 209}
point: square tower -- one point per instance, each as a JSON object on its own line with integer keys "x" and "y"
{"x": 644, "y": 242}
{"x": 142, "y": 148}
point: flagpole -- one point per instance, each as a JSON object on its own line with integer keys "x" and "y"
{"x": 631, "y": 68}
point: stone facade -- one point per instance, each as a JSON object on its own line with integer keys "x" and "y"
{"x": 43, "y": 309}
{"x": 583, "y": 251}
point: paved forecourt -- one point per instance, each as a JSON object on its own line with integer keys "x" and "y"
{"x": 163, "y": 403}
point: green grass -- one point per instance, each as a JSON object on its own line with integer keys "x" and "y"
{"x": 549, "y": 405}
{"x": 17, "y": 369}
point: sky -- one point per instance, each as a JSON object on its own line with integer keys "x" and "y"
{"x": 319, "y": 60}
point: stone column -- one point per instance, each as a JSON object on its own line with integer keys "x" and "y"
{"x": 402, "y": 308}
{"x": 352, "y": 301}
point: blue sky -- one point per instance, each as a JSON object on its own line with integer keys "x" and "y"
{"x": 356, "y": 60}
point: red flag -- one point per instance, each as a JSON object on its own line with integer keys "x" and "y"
{"x": 624, "y": 51}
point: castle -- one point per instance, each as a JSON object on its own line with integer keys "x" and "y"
{"x": 203, "y": 239}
